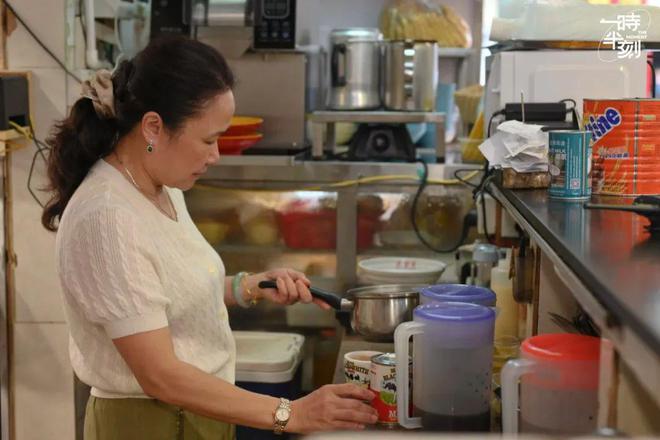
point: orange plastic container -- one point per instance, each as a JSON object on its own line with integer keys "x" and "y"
{"x": 626, "y": 149}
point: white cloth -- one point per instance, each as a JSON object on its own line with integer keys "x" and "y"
{"x": 126, "y": 268}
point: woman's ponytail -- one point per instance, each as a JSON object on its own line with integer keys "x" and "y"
{"x": 76, "y": 144}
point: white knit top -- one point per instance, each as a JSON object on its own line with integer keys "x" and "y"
{"x": 126, "y": 268}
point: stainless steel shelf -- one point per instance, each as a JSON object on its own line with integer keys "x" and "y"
{"x": 251, "y": 249}
{"x": 374, "y": 117}
{"x": 323, "y": 126}
{"x": 283, "y": 250}
{"x": 301, "y": 174}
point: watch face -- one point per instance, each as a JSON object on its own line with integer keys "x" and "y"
{"x": 282, "y": 415}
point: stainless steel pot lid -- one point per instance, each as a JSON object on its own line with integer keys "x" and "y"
{"x": 386, "y": 291}
{"x": 350, "y": 34}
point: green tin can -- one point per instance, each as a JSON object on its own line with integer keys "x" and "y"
{"x": 569, "y": 163}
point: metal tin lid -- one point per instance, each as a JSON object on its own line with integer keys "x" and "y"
{"x": 387, "y": 359}
{"x": 460, "y": 293}
{"x": 350, "y": 34}
{"x": 454, "y": 311}
{"x": 386, "y": 291}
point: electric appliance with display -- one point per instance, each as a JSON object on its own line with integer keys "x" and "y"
{"x": 275, "y": 24}
{"x": 271, "y": 23}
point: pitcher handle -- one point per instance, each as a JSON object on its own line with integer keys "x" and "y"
{"x": 510, "y": 376}
{"x": 402, "y": 336}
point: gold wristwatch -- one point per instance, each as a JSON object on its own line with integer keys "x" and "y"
{"x": 282, "y": 415}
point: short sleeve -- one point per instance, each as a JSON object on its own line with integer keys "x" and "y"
{"x": 111, "y": 273}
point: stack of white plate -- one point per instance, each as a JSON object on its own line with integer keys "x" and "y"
{"x": 399, "y": 270}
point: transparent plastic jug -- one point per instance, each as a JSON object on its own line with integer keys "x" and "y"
{"x": 558, "y": 376}
{"x": 452, "y": 355}
{"x": 457, "y": 293}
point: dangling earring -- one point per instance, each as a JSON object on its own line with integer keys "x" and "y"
{"x": 150, "y": 147}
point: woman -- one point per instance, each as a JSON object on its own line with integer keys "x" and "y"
{"x": 145, "y": 295}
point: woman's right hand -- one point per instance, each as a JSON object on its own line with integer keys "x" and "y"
{"x": 332, "y": 407}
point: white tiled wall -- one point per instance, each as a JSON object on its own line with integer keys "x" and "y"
{"x": 43, "y": 380}
{"x": 44, "y": 383}
{"x": 46, "y": 19}
{"x": 38, "y": 295}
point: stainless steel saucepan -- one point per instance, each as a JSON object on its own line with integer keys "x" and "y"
{"x": 376, "y": 310}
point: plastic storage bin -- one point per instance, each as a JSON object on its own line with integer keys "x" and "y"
{"x": 268, "y": 363}
{"x": 317, "y": 229}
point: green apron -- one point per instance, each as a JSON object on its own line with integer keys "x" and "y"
{"x": 149, "y": 419}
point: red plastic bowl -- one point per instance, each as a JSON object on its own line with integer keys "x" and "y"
{"x": 242, "y": 125}
{"x": 236, "y": 144}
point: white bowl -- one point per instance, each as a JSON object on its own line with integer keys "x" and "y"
{"x": 399, "y": 270}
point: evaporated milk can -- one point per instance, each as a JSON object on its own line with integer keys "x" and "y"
{"x": 569, "y": 163}
{"x": 383, "y": 385}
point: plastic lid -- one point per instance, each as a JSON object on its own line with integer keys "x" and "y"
{"x": 562, "y": 347}
{"x": 486, "y": 253}
{"x": 460, "y": 293}
{"x": 267, "y": 352}
{"x": 454, "y": 311}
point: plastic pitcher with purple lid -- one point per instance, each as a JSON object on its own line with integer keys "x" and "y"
{"x": 452, "y": 357}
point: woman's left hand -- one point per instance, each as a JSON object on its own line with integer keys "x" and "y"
{"x": 292, "y": 287}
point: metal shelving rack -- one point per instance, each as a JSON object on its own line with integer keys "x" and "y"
{"x": 304, "y": 174}
{"x": 324, "y": 121}
{"x": 462, "y": 55}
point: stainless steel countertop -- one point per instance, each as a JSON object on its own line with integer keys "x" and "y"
{"x": 611, "y": 253}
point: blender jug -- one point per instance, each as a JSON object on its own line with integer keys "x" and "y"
{"x": 558, "y": 385}
{"x": 452, "y": 355}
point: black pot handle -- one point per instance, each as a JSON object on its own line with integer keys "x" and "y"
{"x": 333, "y": 300}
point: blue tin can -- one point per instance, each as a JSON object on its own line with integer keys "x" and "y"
{"x": 569, "y": 163}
